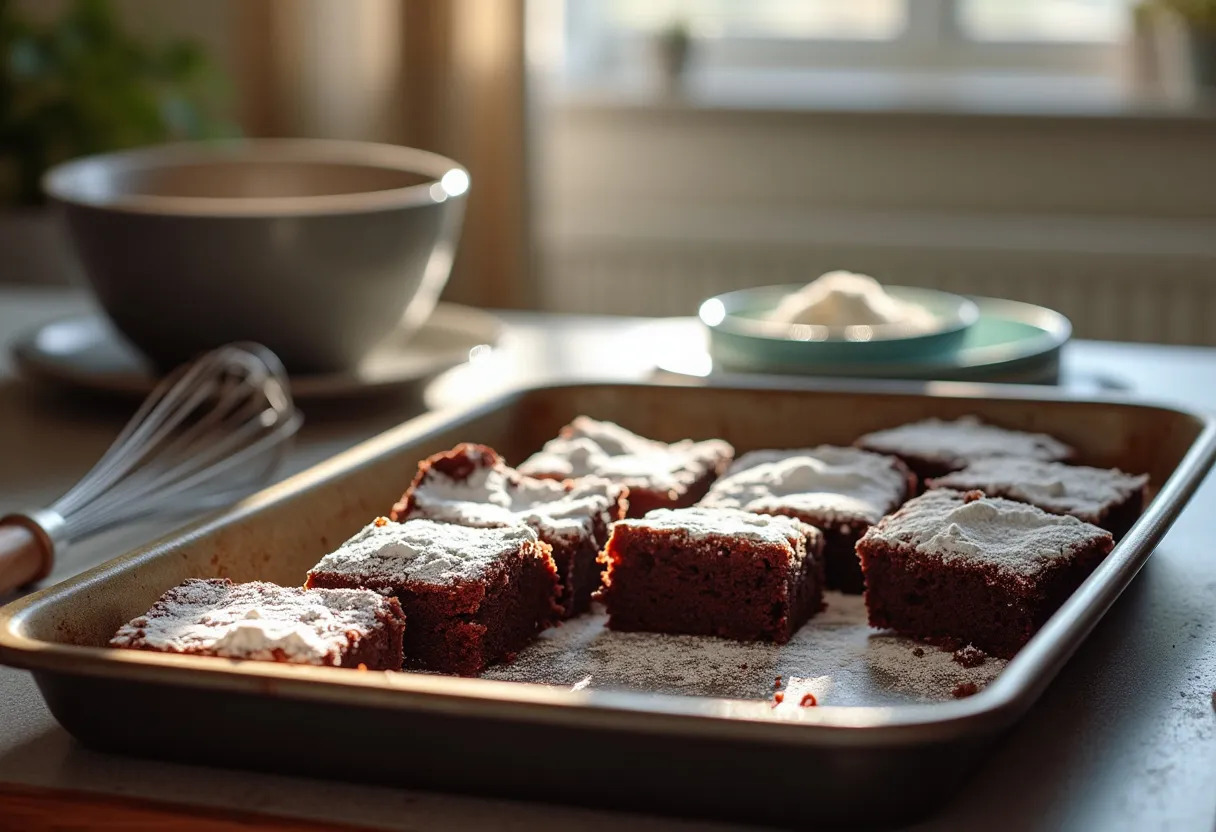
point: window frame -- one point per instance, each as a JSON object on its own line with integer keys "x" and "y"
{"x": 932, "y": 41}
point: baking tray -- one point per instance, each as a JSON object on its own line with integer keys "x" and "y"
{"x": 866, "y": 755}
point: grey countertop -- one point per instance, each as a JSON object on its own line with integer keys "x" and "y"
{"x": 1124, "y": 739}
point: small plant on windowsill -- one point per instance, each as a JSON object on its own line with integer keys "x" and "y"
{"x": 672, "y": 46}
{"x": 80, "y": 84}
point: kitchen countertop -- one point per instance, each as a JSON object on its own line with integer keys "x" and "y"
{"x": 1124, "y": 739}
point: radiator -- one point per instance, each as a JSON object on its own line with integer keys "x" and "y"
{"x": 1137, "y": 292}
{"x": 1112, "y": 221}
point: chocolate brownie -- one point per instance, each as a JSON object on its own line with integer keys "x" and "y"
{"x": 934, "y": 448}
{"x": 472, "y": 486}
{"x": 1106, "y": 497}
{"x": 719, "y": 572}
{"x": 840, "y": 491}
{"x": 472, "y": 596}
{"x": 978, "y": 570}
{"x": 215, "y": 617}
{"x": 657, "y": 474}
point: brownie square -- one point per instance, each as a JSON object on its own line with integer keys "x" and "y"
{"x": 472, "y": 486}
{"x": 979, "y": 570}
{"x": 717, "y": 572}
{"x": 265, "y": 622}
{"x": 840, "y": 491}
{"x": 1106, "y": 497}
{"x": 657, "y": 474}
{"x": 472, "y": 596}
{"x": 934, "y": 448}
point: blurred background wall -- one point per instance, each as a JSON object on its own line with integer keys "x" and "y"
{"x": 635, "y": 156}
{"x": 444, "y": 75}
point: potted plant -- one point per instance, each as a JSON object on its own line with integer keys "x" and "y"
{"x": 78, "y": 84}
{"x": 672, "y": 46}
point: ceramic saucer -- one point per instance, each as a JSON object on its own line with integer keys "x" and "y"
{"x": 84, "y": 352}
{"x": 1011, "y": 342}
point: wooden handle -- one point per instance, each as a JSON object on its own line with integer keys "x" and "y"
{"x": 25, "y": 553}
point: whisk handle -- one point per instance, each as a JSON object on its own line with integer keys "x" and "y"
{"x": 26, "y": 552}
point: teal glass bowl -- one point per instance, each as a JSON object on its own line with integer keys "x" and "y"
{"x": 743, "y": 338}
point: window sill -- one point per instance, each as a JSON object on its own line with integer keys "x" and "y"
{"x": 886, "y": 92}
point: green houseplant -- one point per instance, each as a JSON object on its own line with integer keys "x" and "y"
{"x": 671, "y": 46}
{"x": 80, "y": 83}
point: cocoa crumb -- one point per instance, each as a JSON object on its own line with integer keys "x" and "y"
{"x": 963, "y": 689}
{"x": 808, "y": 701}
{"x": 777, "y": 683}
{"x": 743, "y": 666}
{"x": 970, "y": 656}
{"x": 918, "y": 652}
{"x": 972, "y": 496}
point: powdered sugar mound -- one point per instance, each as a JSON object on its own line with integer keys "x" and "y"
{"x": 587, "y": 447}
{"x": 835, "y": 656}
{"x": 424, "y": 551}
{"x": 1015, "y": 537}
{"x": 1083, "y": 492}
{"x": 256, "y": 638}
{"x": 255, "y": 621}
{"x": 699, "y": 523}
{"x": 836, "y": 484}
{"x": 963, "y": 441}
{"x": 496, "y": 495}
{"x": 842, "y": 299}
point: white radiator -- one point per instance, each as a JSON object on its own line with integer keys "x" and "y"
{"x": 1124, "y": 281}
{"x": 645, "y": 209}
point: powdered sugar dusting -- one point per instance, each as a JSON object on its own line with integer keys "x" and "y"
{"x": 923, "y": 672}
{"x": 959, "y": 442}
{"x": 255, "y": 621}
{"x": 835, "y": 484}
{"x": 836, "y": 657}
{"x": 256, "y": 638}
{"x": 700, "y": 523}
{"x": 1085, "y": 493}
{"x": 587, "y": 447}
{"x": 496, "y": 495}
{"x": 1015, "y": 537}
{"x": 386, "y": 553}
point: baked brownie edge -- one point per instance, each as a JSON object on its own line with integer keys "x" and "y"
{"x": 264, "y": 622}
{"x": 470, "y": 485}
{"x": 471, "y": 594}
{"x": 715, "y": 572}
{"x": 985, "y": 571}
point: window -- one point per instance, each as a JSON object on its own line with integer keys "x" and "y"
{"x": 606, "y": 40}
{"x": 825, "y": 19}
{"x": 1044, "y": 21}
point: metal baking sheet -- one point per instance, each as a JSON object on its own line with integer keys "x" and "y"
{"x": 675, "y": 724}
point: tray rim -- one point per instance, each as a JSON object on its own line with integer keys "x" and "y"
{"x": 991, "y": 710}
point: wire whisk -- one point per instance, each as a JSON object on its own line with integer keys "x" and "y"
{"x": 210, "y": 432}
